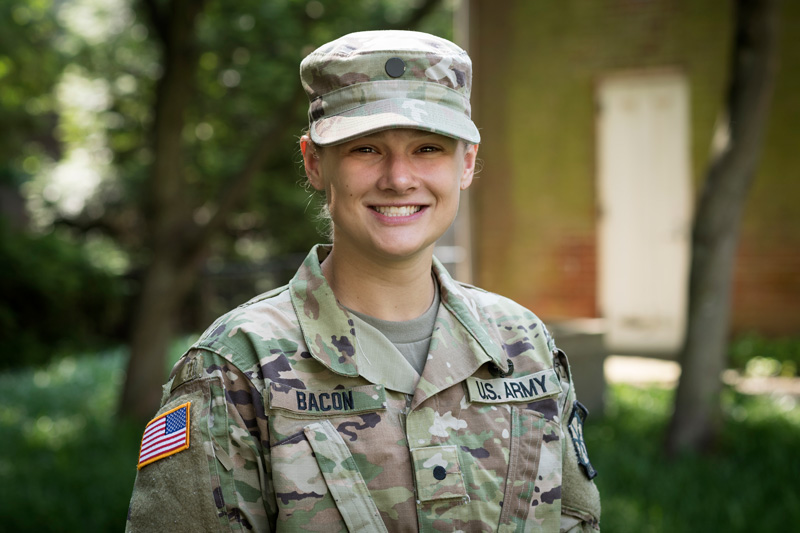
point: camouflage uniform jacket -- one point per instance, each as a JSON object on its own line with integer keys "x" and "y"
{"x": 302, "y": 422}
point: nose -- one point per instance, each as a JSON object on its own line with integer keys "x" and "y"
{"x": 398, "y": 175}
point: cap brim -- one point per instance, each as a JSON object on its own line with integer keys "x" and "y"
{"x": 394, "y": 113}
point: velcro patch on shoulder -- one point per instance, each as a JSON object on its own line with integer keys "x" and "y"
{"x": 576, "y": 419}
{"x": 165, "y": 435}
{"x": 191, "y": 370}
{"x": 327, "y": 402}
{"x": 523, "y": 389}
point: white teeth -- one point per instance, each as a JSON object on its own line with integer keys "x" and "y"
{"x": 397, "y": 211}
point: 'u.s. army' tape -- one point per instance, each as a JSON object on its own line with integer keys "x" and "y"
{"x": 523, "y": 389}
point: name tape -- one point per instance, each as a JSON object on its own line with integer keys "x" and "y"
{"x": 327, "y": 402}
{"x": 523, "y": 389}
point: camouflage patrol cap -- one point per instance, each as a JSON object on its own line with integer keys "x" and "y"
{"x": 376, "y": 80}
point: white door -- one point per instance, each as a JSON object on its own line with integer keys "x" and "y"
{"x": 644, "y": 209}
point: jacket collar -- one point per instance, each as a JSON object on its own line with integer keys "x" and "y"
{"x": 330, "y": 333}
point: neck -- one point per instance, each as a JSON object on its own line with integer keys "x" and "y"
{"x": 396, "y": 290}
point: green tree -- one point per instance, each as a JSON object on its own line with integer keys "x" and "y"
{"x": 28, "y": 32}
{"x": 161, "y": 134}
{"x": 54, "y": 298}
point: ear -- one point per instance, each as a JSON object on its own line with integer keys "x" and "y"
{"x": 470, "y": 159}
{"x": 312, "y": 163}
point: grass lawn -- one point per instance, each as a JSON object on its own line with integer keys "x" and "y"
{"x": 749, "y": 485}
{"x": 66, "y": 463}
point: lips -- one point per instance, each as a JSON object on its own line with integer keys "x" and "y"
{"x": 397, "y": 210}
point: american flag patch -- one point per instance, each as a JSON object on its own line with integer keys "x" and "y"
{"x": 165, "y": 435}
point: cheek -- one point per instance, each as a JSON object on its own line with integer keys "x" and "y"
{"x": 337, "y": 195}
{"x": 451, "y": 190}
{"x": 347, "y": 190}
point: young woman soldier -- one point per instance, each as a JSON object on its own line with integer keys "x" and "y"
{"x": 374, "y": 392}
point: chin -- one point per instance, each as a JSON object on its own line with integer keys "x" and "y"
{"x": 403, "y": 250}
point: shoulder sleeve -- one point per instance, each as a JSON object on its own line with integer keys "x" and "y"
{"x": 580, "y": 499}
{"x": 220, "y": 480}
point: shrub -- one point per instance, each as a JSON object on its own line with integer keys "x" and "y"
{"x": 756, "y": 354}
{"x": 52, "y": 298}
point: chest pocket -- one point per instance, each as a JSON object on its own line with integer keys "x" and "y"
{"x": 438, "y": 473}
{"x": 315, "y": 477}
{"x": 533, "y": 481}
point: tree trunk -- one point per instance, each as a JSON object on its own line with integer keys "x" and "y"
{"x": 169, "y": 274}
{"x": 697, "y": 416}
{"x": 163, "y": 290}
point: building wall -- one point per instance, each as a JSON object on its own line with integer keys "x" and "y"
{"x": 534, "y": 206}
{"x": 767, "y": 284}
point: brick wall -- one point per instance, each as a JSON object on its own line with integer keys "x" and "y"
{"x": 766, "y": 289}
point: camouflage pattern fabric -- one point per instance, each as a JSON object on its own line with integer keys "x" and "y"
{"x": 374, "y": 80}
{"x": 296, "y": 428}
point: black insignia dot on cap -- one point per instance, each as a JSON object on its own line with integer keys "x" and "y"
{"x": 395, "y": 67}
{"x": 439, "y": 473}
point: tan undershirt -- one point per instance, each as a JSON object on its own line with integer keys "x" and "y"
{"x": 412, "y": 338}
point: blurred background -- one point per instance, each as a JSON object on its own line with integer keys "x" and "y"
{"x": 150, "y": 180}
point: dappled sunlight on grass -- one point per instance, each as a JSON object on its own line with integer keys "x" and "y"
{"x": 66, "y": 462}
{"x": 50, "y": 434}
{"x": 754, "y": 467}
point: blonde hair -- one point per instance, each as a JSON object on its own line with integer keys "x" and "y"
{"x": 323, "y": 214}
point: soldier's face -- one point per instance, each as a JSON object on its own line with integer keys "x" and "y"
{"x": 393, "y": 193}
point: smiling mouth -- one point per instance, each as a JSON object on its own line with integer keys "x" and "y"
{"x": 397, "y": 210}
